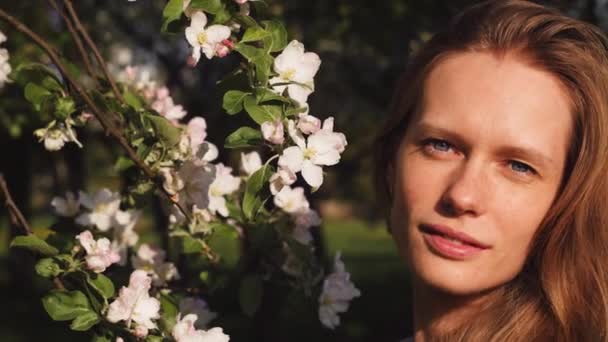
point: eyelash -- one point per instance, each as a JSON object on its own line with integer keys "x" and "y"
{"x": 431, "y": 144}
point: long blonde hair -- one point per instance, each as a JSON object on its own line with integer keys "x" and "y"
{"x": 562, "y": 292}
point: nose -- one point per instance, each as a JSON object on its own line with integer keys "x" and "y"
{"x": 466, "y": 191}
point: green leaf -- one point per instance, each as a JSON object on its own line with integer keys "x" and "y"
{"x": 85, "y": 321}
{"x": 52, "y": 84}
{"x": 48, "y": 268}
{"x": 278, "y": 36}
{"x": 152, "y": 338}
{"x": 221, "y": 17}
{"x": 123, "y": 163}
{"x": 233, "y": 101}
{"x": 35, "y": 94}
{"x": 244, "y": 137}
{"x": 254, "y": 34}
{"x": 35, "y": 71}
{"x": 169, "y": 310}
{"x": 64, "y": 106}
{"x": 210, "y": 6}
{"x": 132, "y": 100}
{"x": 265, "y": 95}
{"x": 263, "y": 64}
{"x": 261, "y": 114}
{"x": 252, "y": 201}
{"x": 35, "y": 244}
{"x": 191, "y": 245}
{"x": 172, "y": 12}
{"x": 102, "y": 284}
{"x": 106, "y": 337}
{"x": 250, "y": 294}
{"x": 248, "y": 51}
{"x": 166, "y": 131}
{"x": 245, "y": 20}
{"x": 65, "y": 306}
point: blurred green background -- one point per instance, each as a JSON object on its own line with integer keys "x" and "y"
{"x": 363, "y": 45}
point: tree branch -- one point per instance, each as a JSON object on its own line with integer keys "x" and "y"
{"x": 15, "y": 214}
{"x": 77, "y": 40}
{"x": 92, "y": 46}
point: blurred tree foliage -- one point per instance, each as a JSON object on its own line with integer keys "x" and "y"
{"x": 364, "y": 46}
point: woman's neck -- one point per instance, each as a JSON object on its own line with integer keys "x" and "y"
{"x": 437, "y": 312}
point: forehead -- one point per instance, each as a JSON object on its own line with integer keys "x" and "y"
{"x": 497, "y": 101}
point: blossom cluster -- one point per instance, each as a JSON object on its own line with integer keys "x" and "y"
{"x": 5, "y": 67}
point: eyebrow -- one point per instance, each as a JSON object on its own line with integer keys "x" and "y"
{"x": 526, "y": 153}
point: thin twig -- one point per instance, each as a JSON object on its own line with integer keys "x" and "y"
{"x": 16, "y": 216}
{"x": 92, "y": 46}
{"x": 77, "y": 41}
{"x": 108, "y": 125}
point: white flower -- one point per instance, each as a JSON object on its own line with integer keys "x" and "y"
{"x": 206, "y": 153}
{"x": 206, "y": 39}
{"x": 55, "y": 134}
{"x": 291, "y": 200}
{"x": 134, "y": 303}
{"x": 100, "y": 253}
{"x": 5, "y": 67}
{"x": 322, "y": 148}
{"x": 200, "y": 221}
{"x": 308, "y": 124}
{"x": 337, "y": 292}
{"x": 273, "y": 132}
{"x": 165, "y": 106}
{"x": 298, "y": 68}
{"x": 250, "y": 162}
{"x": 281, "y": 178}
{"x": 103, "y": 205}
{"x": 124, "y": 232}
{"x": 67, "y": 207}
{"x": 152, "y": 260}
{"x": 224, "y": 184}
{"x": 197, "y": 132}
{"x": 197, "y": 306}
{"x": 184, "y": 331}
{"x": 172, "y": 183}
{"x": 304, "y": 220}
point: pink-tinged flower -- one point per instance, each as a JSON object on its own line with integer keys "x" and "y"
{"x": 224, "y": 184}
{"x": 336, "y": 295}
{"x": 280, "y": 179}
{"x": 167, "y": 108}
{"x": 152, "y": 261}
{"x": 124, "y": 232}
{"x": 100, "y": 254}
{"x": 103, "y": 205}
{"x": 273, "y": 132}
{"x": 197, "y": 132}
{"x": 304, "y": 221}
{"x": 184, "y": 331}
{"x": 134, "y": 304}
{"x": 250, "y": 162}
{"x": 197, "y": 306}
{"x": 308, "y": 124}
{"x": 240, "y": 2}
{"x": 205, "y": 38}
{"x": 67, "y": 207}
{"x": 322, "y": 148}
{"x": 291, "y": 200}
{"x": 298, "y": 68}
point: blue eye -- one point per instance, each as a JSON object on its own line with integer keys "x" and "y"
{"x": 439, "y": 145}
{"x": 521, "y": 167}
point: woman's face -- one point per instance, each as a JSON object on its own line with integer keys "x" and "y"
{"x": 477, "y": 170}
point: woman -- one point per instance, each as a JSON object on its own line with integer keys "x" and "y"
{"x": 495, "y": 164}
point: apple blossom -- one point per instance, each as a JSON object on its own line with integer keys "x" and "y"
{"x": 152, "y": 260}
{"x": 337, "y": 292}
{"x": 322, "y": 148}
{"x": 5, "y": 67}
{"x": 103, "y": 205}
{"x": 200, "y": 221}
{"x": 197, "y": 306}
{"x": 205, "y": 39}
{"x": 308, "y": 124}
{"x": 273, "y": 131}
{"x": 100, "y": 253}
{"x": 291, "y": 200}
{"x": 304, "y": 220}
{"x": 134, "y": 303}
{"x": 224, "y": 184}
{"x": 172, "y": 183}
{"x": 56, "y": 134}
{"x": 165, "y": 106}
{"x": 124, "y": 232}
{"x": 281, "y": 178}
{"x": 184, "y": 331}
{"x": 297, "y": 68}
{"x": 197, "y": 131}
{"x": 67, "y": 207}
{"x": 250, "y": 162}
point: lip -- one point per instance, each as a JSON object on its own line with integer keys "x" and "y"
{"x": 440, "y": 239}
